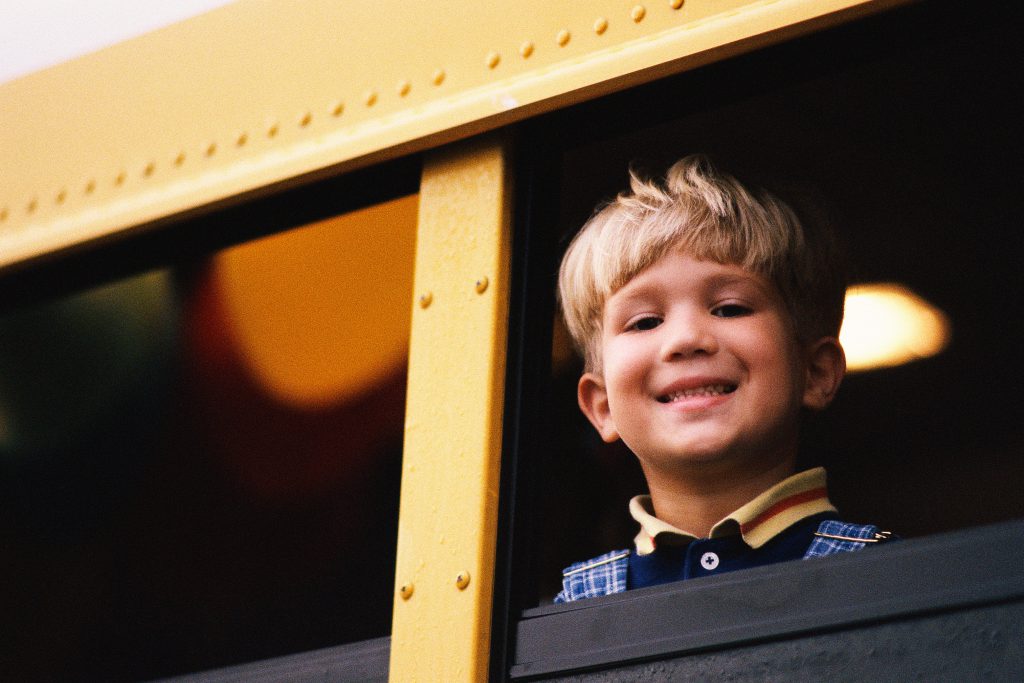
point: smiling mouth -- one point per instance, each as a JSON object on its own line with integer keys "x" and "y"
{"x": 710, "y": 390}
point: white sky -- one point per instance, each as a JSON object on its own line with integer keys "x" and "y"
{"x": 35, "y": 34}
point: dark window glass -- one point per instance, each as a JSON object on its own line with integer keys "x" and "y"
{"x": 200, "y": 465}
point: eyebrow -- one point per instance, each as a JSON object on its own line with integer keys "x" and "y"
{"x": 748, "y": 278}
{"x": 714, "y": 282}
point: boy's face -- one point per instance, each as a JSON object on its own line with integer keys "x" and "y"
{"x": 700, "y": 363}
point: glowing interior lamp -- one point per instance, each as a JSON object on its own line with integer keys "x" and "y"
{"x": 887, "y": 324}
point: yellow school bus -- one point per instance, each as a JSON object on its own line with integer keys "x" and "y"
{"x": 283, "y": 393}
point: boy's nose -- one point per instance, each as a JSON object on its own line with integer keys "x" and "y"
{"x": 687, "y": 336}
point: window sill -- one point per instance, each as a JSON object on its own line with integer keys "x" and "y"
{"x": 938, "y": 573}
{"x": 362, "y": 662}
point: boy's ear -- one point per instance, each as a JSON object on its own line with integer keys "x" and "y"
{"x": 826, "y": 365}
{"x": 593, "y": 398}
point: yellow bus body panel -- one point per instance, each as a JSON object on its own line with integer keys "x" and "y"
{"x": 263, "y": 92}
{"x": 447, "y": 525}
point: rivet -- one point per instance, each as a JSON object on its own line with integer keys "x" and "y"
{"x": 148, "y": 170}
{"x": 526, "y": 49}
{"x": 338, "y": 109}
{"x": 481, "y": 285}
{"x": 438, "y": 77}
{"x": 493, "y": 59}
{"x": 90, "y": 186}
{"x": 675, "y": 4}
{"x": 211, "y": 149}
{"x": 600, "y": 25}
{"x": 306, "y": 119}
{"x": 180, "y": 159}
{"x": 405, "y": 590}
{"x": 403, "y": 88}
{"x": 32, "y": 206}
{"x": 272, "y": 129}
{"x": 370, "y": 98}
{"x": 462, "y": 580}
{"x": 241, "y": 139}
{"x": 426, "y": 299}
{"x": 121, "y": 177}
{"x": 563, "y": 37}
{"x": 638, "y": 13}
{"x": 61, "y": 196}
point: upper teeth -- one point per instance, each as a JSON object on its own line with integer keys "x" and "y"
{"x": 710, "y": 390}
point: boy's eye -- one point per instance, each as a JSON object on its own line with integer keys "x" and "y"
{"x": 730, "y": 311}
{"x": 648, "y": 323}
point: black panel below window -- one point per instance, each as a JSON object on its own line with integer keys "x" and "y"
{"x": 362, "y": 662}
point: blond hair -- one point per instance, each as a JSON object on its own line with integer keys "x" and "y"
{"x": 709, "y": 215}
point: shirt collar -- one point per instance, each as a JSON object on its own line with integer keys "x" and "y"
{"x": 759, "y": 521}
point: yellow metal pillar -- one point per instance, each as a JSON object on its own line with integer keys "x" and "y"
{"x": 448, "y": 516}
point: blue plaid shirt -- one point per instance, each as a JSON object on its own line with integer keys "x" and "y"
{"x": 619, "y": 570}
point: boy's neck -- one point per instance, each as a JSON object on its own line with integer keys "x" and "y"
{"x": 695, "y": 502}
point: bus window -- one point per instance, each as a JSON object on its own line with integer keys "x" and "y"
{"x": 200, "y": 464}
{"x": 911, "y": 152}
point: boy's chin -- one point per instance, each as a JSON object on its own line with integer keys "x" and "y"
{"x": 692, "y": 460}
{"x": 692, "y": 449}
{"x": 710, "y": 461}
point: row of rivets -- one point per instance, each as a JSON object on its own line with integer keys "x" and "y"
{"x": 461, "y": 582}
{"x": 210, "y": 149}
{"x": 562, "y": 38}
{"x": 370, "y": 98}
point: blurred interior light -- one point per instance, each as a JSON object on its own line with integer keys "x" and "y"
{"x": 322, "y": 313}
{"x": 887, "y": 324}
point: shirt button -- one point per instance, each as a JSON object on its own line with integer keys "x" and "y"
{"x": 709, "y": 561}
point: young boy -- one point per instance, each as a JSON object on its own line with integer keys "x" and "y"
{"x": 708, "y": 317}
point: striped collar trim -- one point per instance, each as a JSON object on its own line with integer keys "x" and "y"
{"x": 759, "y": 521}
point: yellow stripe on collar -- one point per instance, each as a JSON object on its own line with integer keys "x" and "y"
{"x": 762, "y": 519}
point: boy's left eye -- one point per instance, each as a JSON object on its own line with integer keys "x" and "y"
{"x": 729, "y": 311}
{"x": 647, "y": 323}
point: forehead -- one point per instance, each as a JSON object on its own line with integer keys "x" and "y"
{"x": 680, "y": 272}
